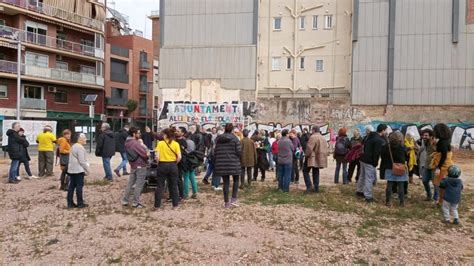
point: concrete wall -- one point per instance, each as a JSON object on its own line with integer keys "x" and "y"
{"x": 429, "y": 67}
{"x": 334, "y": 48}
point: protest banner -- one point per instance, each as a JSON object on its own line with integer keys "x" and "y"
{"x": 32, "y": 129}
{"x": 205, "y": 113}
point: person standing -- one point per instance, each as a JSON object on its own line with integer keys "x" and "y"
{"x": 341, "y": 149}
{"x": 275, "y": 155}
{"x": 227, "y": 163}
{"x": 105, "y": 148}
{"x": 295, "y": 174}
{"x": 64, "y": 149}
{"x": 452, "y": 197}
{"x": 46, "y": 141}
{"x": 248, "y": 159}
{"x": 426, "y": 170}
{"x": 78, "y": 167}
{"x": 271, "y": 160}
{"x": 369, "y": 161}
{"x": 147, "y": 138}
{"x": 316, "y": 158}
{"x": 354, "y": 155}
{"x": 411, "y": 157}
{"x": 25, "y": 157}
{"x": 394, "y": 152}
{"x": 180, "y": 134}
{"x": 286, "y": 150}
{"x": 443, "y": 157}
{"x": 120, "y": 138}
{"x": 138, "y": 160}
{"x": 189, "y": 167}
{"x": 168, "y": 155}
{"x": 15, "y": 146}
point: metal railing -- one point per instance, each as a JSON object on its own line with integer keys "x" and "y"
{"x": 57, "y": 13}
{"x": 36, "y": 104}
{"x": 51, "y": 73}
{"x": 119, "y": 77}
{"x": 117, "y": 101}
{"x": 144, "y": 65}
{"x": 44, "y": 40}
{"x": 143, "y": 87}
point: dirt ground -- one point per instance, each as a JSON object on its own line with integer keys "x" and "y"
{"x": 269, "y": 227}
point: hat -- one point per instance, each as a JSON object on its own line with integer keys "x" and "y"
{"x": 454, "y": 171}
{"x": 48, "y": 127}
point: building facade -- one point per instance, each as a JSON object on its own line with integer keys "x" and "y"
{"x": 304, "y": 48}
{"x": 413, "y": 52}
{"x": 128, "y": 78}
{"x": 62, "y": 59}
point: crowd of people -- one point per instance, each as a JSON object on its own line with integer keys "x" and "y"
{"x": 228, "y": 152}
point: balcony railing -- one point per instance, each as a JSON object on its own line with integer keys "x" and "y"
{"x": 143, "y": 87}
{"x": 44, "y": 40}
{"x": 36, "y": 104}
{"x": 52, "y": 73}
{"x": 144, "y": 65}
{"x": 57, "y": 13}
{"x": 117, "y": 101}
{"x": 119, "y": 77}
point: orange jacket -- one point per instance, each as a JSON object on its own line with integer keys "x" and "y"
{"x": 64, "y": 145}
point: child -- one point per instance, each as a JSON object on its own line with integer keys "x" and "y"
{"x": 452, "y": 196}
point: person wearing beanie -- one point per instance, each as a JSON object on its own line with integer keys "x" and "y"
{"x": 453, "y": 186}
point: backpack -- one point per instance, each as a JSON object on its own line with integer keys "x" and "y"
{"x": 341, "y": 146}
{"x": 132, "y": 156}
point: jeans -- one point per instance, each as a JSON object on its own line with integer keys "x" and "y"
{"x": 307, "y": 179}
{"x": 107, "y": 169}
{"x": 45, "y": 163}
{"x": 389, "y": 191}
{"x": 27, "y": 168}
{"x": 448, "y": 208}
{"x": 285, "y": 176}
{"x": 190, "y": 176}
{"x": 352, "y": 166}
{"x": 123, "y": 163}
{"x": 216, "y": 181}
{"x": 270, "y": 160}
{"x": 209, "y": 170}
{"x": 367, "y": 178}
{"x": 344, "y": 172}
{"x": 428, "y": 175}
{"x": 76, "y": 183}
{"x": 137, "y": 178}
{"x": 235, "y": 187}
{"x": 295, "y": 174}
{"x": 245, "y": 170}
{"x": 13, "y": 170}
{"x": 167, "y": 171}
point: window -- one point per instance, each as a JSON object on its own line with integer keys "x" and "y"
{"x": 276, "y": 63}
{"x": 143, "y": 56}
{"x": 119, "y": 93}
{"x": 62, "y": 65}
{"x": 328, "y": 22}
{"x": 319, "y": 65}
{"x": 302, "y": 22}
{"x": 60, "y": 97}
{"x": 87, "y": 46}
{"x": 142, "y": 106}
{"x": 3, "y": 91}
{"x": 277, "y": 23}
{"x": 315, "y": 22}
{"x": 99, "y": 41}
{"x": 2, "y": 56}
{"x": 99, "y": 66}
{"x": 118, "y": 71}
{"x": 83, "y": 99}
{"x": 288, "y": 63}
{"x": 87, "y": 70}
{"x": 34, "y": 59}
{"x": 2, "y": 22}
{"x": 155, "y": 102}
{"x": 32, "y": 92}
{"x": 36, "y": 32}
{"x": 61, "y": 39}
{"x": 302, "y": 62}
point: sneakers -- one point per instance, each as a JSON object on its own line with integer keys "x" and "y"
{"x": 15, "y": 181}
{"x": 205, "y": 181}
{"x": 456, "y": 221}
{"x": 117, "y": 172}
{"x": 124, "y": 203}
{"x": 18, "y": 178}
{"x": 446, "y": 222}
{"x": 82, "y": 206}
{"x": 138, "y": 206}
{"x": 227, "y": 205}
{"x": 360, "y": 194}
{"x": 217, "y": 188}
{"x": 233, "y": 202}
{"x": 34, "y": 177}
{"x": 367, "y": 200}
{"x": 126, "y": 173}
{"x": 194, "y": 196}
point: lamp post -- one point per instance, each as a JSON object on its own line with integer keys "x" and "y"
{"x": 18, "y": 80}
{"x": 91, "y": 98}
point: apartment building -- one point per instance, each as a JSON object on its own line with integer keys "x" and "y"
{"x": 128, "y": 78}
{"x": 304, "y": 48}
{"x": 62, "y": 59}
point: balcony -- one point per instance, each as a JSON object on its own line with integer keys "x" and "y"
{"x": 35, "y": 104}
{"x": 119, "y": 51}
{"x": 119, "y": 77}
{"x": 117, "y": 101}
{"x": 47, "y": 41}
{"x": 57, "y": 13}
{"x": 143, "y": 87}
{"x": 52, "y": 73}
{"x": 144, "y": 65}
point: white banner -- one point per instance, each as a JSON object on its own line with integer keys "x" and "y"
{"x": 32, "y": 129}
{"x": 205, "y": 113}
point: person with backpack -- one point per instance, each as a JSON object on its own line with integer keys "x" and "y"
{"x": 105, "y": 148}
{"x": 355, "y": 151}
{"x": 64, "y": 149}
{"x": 189, "y": 167}
{"x": 138, "y": 160}
{"x": 295, "y": 174}
{"x": 341, "y": 149}
{"x": 120, "y": 138}
{"x": 181, "y": 132}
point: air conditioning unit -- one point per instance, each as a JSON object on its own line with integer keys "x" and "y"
{"x": 52, "y": 89}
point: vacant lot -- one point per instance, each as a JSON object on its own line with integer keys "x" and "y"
{"x": 269, "y": 227}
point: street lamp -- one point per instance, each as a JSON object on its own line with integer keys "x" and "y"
{"x": 91, "y": 98}
{"x": 16, "y": 39}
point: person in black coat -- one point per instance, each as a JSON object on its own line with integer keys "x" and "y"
{"x": 24, "y": 156}
{"x": 15, "y": 147}
{"x": 227, "y": 163}
{"x": 105, "y": 148}
{"x": 147, "y": 138}
{"x": 120, "y": 138}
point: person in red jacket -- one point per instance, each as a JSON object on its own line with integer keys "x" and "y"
{"x": 275, "y": 154}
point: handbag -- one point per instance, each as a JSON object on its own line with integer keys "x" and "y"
{"x": 398, "y": 169}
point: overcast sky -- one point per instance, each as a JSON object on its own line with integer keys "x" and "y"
{"x": 137, "y": 10}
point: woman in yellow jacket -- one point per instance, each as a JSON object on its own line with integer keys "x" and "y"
{"x": 442, "y": 159}
{"x": 64, "y": 149}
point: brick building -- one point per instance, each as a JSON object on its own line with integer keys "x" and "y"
{"x": 62, "y": 59}
{"x": 128, "y": 77}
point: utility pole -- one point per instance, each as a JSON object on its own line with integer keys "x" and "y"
{"x": 18, "y": 80}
